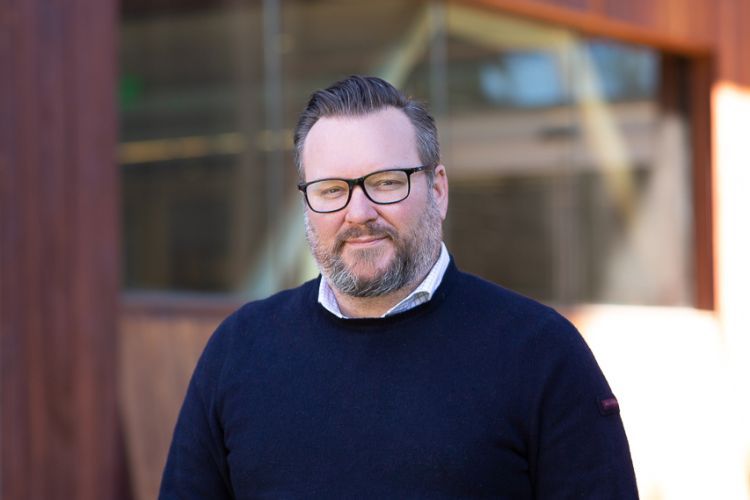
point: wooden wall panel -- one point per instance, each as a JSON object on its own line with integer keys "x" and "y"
{"x": 683, "y": 25}
{"x": 643, "y": 13}
{"x": 701, "y": 73}
{"x": 580, "y": 5}
{"x": 650, "y": 22}
{"x": 687, "y": 20}
{"x": 59, "y": 251}
{"x": 733, "y": 41}
{"x": 158, "y": 351}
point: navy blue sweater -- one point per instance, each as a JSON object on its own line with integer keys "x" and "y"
{"x": 477, "y": 393}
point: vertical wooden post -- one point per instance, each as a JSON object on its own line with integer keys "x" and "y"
{"x": 59, "y": 251}
{"x": 701, "y": 76}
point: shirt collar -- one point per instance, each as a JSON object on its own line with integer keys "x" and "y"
{"x": 421, "y": 294}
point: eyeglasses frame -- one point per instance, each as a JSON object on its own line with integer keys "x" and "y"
{"x": 360, "y": 181}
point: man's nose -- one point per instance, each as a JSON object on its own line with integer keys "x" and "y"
{"x": 360, "y": 209}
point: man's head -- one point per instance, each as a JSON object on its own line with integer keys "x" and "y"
{"x": 356, "y": 127}
{"x": 361, "y": 95}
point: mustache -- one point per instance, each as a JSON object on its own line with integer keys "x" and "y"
{"x": 371, "y": 229}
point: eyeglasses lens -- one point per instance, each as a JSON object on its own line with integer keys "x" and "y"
{"x": 381, "y": 187}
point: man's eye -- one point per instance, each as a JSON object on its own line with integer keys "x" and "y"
{"x": 332, "y": 192}
{"x": 387, "y": 184}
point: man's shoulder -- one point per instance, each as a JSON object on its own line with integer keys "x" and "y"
{"x": 258, "y": 316}
{"x": 237, "y": 337}
{"x": 524, "y": 327}
{"x": 498, "y": 298}
{"x": 293, "y": 301}
{"x": 509, "y": 310}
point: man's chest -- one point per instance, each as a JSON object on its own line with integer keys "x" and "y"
{"x": 308, "y": 428}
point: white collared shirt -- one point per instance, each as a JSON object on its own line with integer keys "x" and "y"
{"x": 420, "y": 295}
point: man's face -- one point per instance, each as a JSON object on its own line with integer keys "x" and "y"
{"x": 367, "y": 249}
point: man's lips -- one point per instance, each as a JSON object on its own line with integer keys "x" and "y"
{"x": 365, "y": 241}
{"x": 363, "y": 237}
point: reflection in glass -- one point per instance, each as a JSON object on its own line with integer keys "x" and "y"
{"x": 567, "y": 157}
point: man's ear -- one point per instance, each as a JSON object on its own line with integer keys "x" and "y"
{"x": 440, "y": 189}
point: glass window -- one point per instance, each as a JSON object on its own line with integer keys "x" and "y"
{"x": 569, "y": 163}
{"x": 567, "y": 156}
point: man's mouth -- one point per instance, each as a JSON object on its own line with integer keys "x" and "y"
{"x": 365, "y": 241}
{"x": 363, "y": 237}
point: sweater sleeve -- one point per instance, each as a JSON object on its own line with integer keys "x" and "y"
{"x": 196, "y": 464}
{"x": 579, "y": 446}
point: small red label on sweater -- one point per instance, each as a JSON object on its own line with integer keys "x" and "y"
{"x": 609, "y": 406}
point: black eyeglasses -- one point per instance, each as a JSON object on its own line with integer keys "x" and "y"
{"x": 383, "y": 187}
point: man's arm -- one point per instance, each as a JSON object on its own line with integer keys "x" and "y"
{"x": 581, "y": 450}
{"x": 196, "y": 465}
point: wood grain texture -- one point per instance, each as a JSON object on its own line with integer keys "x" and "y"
{"x": 700, "y": 76}
{"x": 733, "y": 41}
{"x": 159, "y": 347}
{"x": 59, "y": 257}
{"x": 642, "y": 22}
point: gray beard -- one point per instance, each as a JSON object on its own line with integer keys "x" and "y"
{"x": 415, "y": 254}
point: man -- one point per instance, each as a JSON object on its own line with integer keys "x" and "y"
{"x": 393, "y": 375}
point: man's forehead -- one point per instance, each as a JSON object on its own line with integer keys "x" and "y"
{"x": 381, "y": 138}
{"x": 378, "y": 120}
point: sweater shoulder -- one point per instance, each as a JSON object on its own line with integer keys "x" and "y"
{"x": 482, "y": 295}
{"x": 515, "y": 319}
{"x": 536, "y": 336}
{"x": 294, "y": 301}
{"x": 238, "y": 331}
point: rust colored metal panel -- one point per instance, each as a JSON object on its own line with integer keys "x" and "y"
{"x": 701, "y": 73}
{"x": 689, "y": 21}
{"x": 728, "y": 40}
{"x": 733, "y": 41}
{"x": 569, "y": 4}
{"x": 643, "y": 13}
{"x": 14, "y": 398}
{"x": 59, "y": 251}
{"x": 627, "y": 24}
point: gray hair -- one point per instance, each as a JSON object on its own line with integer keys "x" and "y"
{"x": 360, "y": 95}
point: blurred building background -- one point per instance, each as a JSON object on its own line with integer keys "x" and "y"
{"x": 599, "y": 160}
